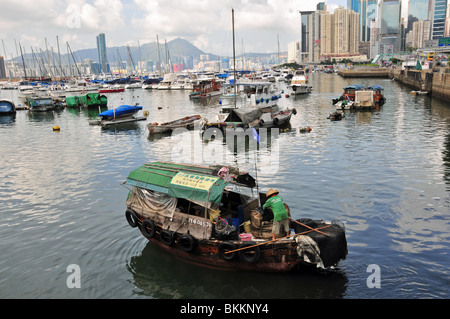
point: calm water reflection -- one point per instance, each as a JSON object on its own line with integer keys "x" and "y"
{"x": 386, "y": 174}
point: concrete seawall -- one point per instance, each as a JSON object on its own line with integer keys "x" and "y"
{"x": 435, "y": 82}
{"x": 364, "y": 73}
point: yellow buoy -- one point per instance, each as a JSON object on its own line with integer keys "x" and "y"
{"x": 56, "y": 128}
{"x": 145, "y": 113}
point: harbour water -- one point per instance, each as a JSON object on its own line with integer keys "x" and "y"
{"x": 385, "y": 174}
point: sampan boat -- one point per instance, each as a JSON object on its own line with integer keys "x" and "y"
{"x": 210, "y": 216}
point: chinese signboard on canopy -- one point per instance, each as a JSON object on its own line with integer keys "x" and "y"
{"x": 443, "y": 42}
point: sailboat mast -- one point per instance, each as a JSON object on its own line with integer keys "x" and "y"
{"x": 234, "y": 59}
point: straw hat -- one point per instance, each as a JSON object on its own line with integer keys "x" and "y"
{"x": 271, "y": 192}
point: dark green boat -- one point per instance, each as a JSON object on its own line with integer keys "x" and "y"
{"x": 88, "y": 100}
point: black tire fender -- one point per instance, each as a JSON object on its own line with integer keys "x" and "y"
{"x": 187, "y": 243}
{"x": 148, "y": 228}
{"x": 130, "y": 215}
{"x": 225, "y": 247}
{"x": 250, "y": 255}
{"x": 166, "y": 237}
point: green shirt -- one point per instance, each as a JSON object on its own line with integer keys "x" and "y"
{"x": 278, "y": 209}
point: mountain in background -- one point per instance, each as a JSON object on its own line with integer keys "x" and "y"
{"x": 175, "y": 50}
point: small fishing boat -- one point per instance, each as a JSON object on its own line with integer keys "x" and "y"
{"x": 206, "y": 88}
{"x": 7, "y": 107}
{"x": 88, "y": 100}
{"x": 358, "y": 97}
{"x": 349, "y": 93}
{"x": 246, "y": 117}
{"x": 40, "y": 104}
{"x": 119, "y": 115}
{"x": 211, "y": 216}
{"x": 276, "y": 119}
{"x": 336, "y": 116}
{"x": 189, "y": 122}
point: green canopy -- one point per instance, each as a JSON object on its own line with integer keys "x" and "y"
{"x": 180, "y": 181}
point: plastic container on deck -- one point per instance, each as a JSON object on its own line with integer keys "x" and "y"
{"x": 246, "y": 237}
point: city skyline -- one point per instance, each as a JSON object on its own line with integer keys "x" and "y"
{"x": 259, "y": 24}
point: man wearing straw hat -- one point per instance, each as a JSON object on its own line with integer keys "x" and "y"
{"x": 280, "y": 215}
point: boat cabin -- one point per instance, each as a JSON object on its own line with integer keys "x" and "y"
{"x": 189, "y": 199}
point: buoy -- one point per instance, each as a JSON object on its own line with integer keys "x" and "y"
{"x": 146, "y": 113}
{"x": 56, "y": 128}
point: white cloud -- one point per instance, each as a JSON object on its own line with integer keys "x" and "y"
{"x": 205, "y": 23}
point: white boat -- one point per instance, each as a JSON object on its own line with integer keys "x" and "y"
{"x": 166, "y": 83}
{"x": 136, "y": 85}
{"x": 299, "y": 83}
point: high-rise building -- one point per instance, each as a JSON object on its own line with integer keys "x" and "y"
{"x": 102, "y": 57}
{"x": 310, "y": 40}
{"x": 339, "y": 33}
{"x": 438, "y": 10}
{"x": 2, "y": 68}
{"x": 447, "y": 21}
{"x": 418, "y": 10}
{"x": 353, "y": 5}
{"x": 294, "y": 52}
{"x": 367, "y": 12}
{"x": 420, "y": 33}
{"x": 390, "y": 25}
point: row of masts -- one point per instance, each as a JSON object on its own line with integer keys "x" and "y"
{"x": 49, "y": 64}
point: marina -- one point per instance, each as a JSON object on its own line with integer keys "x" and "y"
{"x": 383, "y": 173}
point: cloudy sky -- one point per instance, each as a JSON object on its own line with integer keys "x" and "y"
{"x": 205, "y": 23}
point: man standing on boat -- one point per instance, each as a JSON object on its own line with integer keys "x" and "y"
{"x": 280, "y": 215}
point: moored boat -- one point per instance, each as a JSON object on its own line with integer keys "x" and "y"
{"x": 88, "y": 100}
{"x": 206, "y": 88}
{"x": 40, "y": 104}
{"x": 358, "y": 97}
{"x": 189, "y": 122}
{"x": 196, "y": 212}
{"x": 120, "y": 112}
{"x": 7, "y": 107}
{"x": 246, "y": 117}
{"x": 299, "y": 83}
{"x": 119, "y": 115}
{"x": 111, "y": 90}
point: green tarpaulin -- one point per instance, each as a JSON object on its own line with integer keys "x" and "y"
{"x": 180, "y": 181}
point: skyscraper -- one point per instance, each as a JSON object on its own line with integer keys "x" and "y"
{"x": 367, "y": 12}
{"x": 418, "y": 10}
{"x": 339, "y": 33}
{"x": 2, "y": 68}
{"x": 438, "y": 9}
{"x": 101, "y": 48}
{"x": 390, "y": 25}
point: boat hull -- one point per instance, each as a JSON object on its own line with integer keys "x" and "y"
{"x": 7, "y": 107}
{"x": 300, "y": 89}
{"x": 190, "y": 123}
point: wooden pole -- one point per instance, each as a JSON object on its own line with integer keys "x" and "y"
{"x": 314, "y": 229}
{"x": 274, "y": 240}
